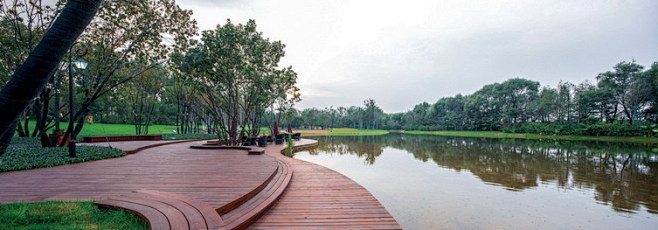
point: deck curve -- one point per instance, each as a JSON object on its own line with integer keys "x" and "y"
{"x": 213, "y": 177}
{"x": 319, "y": 197}
{"x": 314, "y": 197}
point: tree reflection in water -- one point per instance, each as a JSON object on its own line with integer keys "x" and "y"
{"x": 623, "y": 175}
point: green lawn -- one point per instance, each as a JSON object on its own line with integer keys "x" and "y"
{"x": 100, "y": 129}
{"x": 338, "y": 132}
{"x": 66, "y": 215}
{"x": 342, "y": 132}
{"x": 496, "y": 134}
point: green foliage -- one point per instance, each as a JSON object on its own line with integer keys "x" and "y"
{"x": 26, "y": 156}
{"x": 100, "y": 129}
{"x": 25, "y": 141}
{"x": 629, "y": 86}
{"x": 236, "y": 77}
{"x": 369, "y": 116}
{"x": 346, "y": 132}
{"x": 289, "y": 151}
{"x": 22, "y": 25}
{"x": 127, "y": 40}
{"x": 621, "y": 97}
{"x": 66, "y": 215}
{"x": 598, "y": 129}
{"x": 498, "y": 134}
{"x": 143, "y": 93}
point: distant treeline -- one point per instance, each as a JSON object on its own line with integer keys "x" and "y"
{"x": 622, "y": 102}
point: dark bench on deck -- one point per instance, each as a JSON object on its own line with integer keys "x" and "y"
{"x": 296, "y": 136}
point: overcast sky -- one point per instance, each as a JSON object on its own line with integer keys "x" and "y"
{"x": 402, "y": 53}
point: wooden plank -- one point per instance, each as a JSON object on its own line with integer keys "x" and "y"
{"x": 155, "y": 218}
{"x": 318, "y": 197}
{"x": 211, "y": 217}
{"x": 204, "y": 175}
{"x": 241, "y": 200}
{"x": 174, "y": 216}
{"x": 315, "y": 197}
{"x": 250, "y": 211}
{"x": 193, "y": 216}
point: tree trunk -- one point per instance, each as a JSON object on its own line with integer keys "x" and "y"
{"x": 31, "y": 77}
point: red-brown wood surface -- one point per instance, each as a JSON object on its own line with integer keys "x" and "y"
{"x": 211, "y": 217}
{"x": 318, "y": 197}
{"x": 253, "y": 209}
{"x": 210, "y": 176}
{"x": 181, "y": 212}
{"x": 314, "y": 196}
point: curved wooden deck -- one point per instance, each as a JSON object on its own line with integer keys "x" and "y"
{"x": 318, "y": 197}
{"x": 254, "y": 191}
{"x": 213, "y": 177}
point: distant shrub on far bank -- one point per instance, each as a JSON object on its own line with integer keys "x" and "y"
{"x": 597, "y": 129}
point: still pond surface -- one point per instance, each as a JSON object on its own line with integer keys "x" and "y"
{"x": 435, "y": 182}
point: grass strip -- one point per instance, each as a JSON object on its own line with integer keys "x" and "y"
{"x": 66, "y": 215}
{"x": 343, "y": 132}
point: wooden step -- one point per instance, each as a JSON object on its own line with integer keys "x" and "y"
{"x": 247, "y": 213}
{"x": 167, "y": 210}
{"x": 246, "y": 197}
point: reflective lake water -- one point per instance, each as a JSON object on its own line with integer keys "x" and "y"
{"x": 436, "y": 182}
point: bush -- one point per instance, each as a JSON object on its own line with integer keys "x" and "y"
{"x": 570, "y": 128}
{"x": 23, "y": 141}
{"x": 21, "y": 157}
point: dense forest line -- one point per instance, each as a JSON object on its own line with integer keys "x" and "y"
{"x": 229, "y": 82}
{"x": 622, "y": 102}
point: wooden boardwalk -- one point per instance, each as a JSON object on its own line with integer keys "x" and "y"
{"x": 255, "y": 191}
{"x": 318, "y": 197}
{"x": 213, "y": 177}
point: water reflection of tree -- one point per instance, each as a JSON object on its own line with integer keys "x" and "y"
{"x": 367, "y": 147}
{"x": 623, "y": 175}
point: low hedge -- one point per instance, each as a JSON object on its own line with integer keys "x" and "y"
{"x": 28, "y": 154}
{"x": 597, "y": 129}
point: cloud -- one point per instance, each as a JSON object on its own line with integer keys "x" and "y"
{"x": 404, "y": 52}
